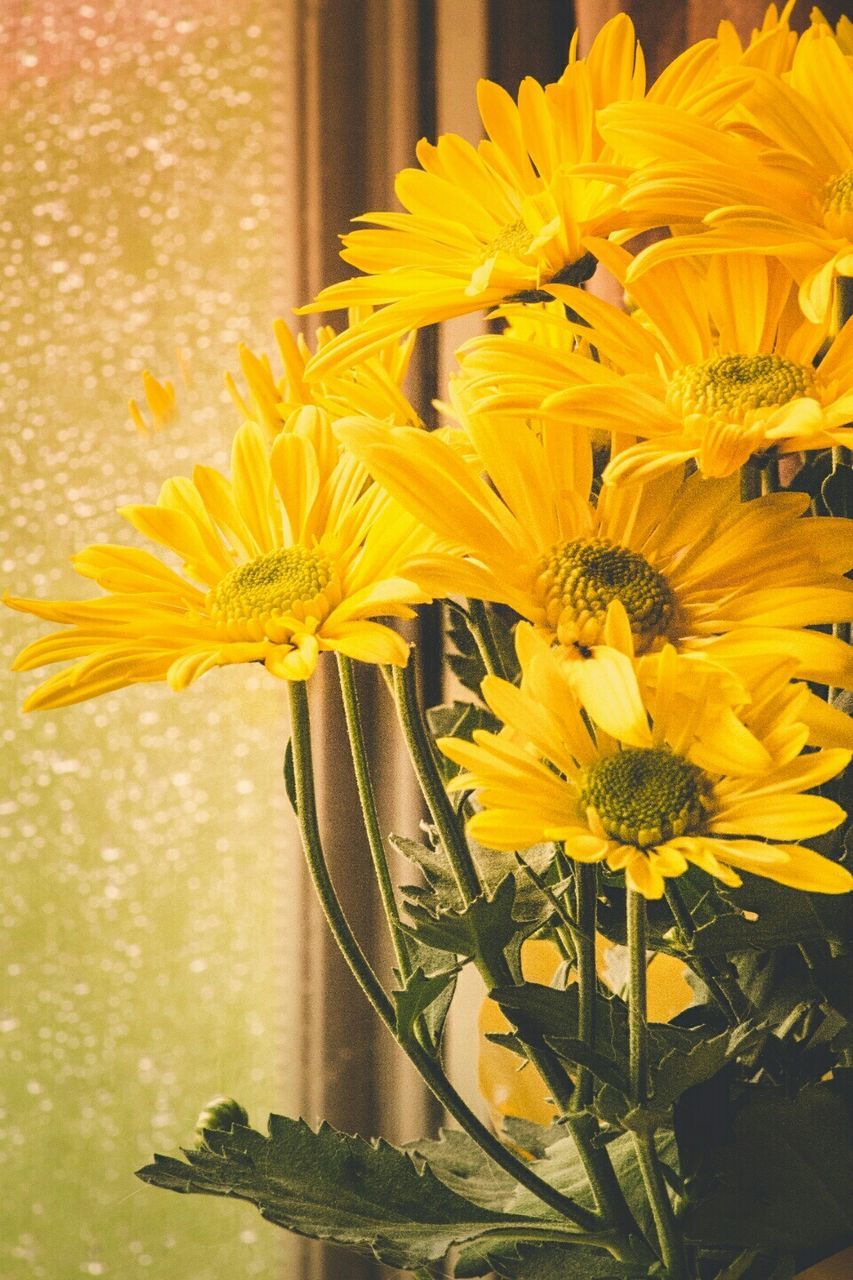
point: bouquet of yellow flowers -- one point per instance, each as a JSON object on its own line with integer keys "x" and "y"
{"x": 637, "y": 519}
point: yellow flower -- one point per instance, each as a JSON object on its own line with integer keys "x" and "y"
{"x": 296, "y": 554}
{"x": 691, "y": 566}
{"x": 484, "y": 223}
{"x": 641, "y": 777}
{"x": 778, "y": 181}
{"x": 715, "y": 367}
{"x": 161, "y": 402}
{"x": 371, "y": 385}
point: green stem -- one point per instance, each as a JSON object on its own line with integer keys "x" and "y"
{"x": 638, "y": 1027}
{"x": 605, "y": 1186}
{"x": 669, "y": 1237}
{"x": 484, "y": 636}
{"x": 727, "y": 994}
{"x": 441, "y": 810}
{"x": 361, "y": 970}
{"x": 750, "y": 480}
{"x": 586, "y": 909}
{"x": 367, "y": 798}
{"x": 770, "y": 481}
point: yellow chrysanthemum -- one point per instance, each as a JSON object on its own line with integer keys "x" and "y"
{"x": 641, "y": 779}
{"x": 785, "y": 190}
{"x": 297, "y": 553}
{"x": 715, "y": 367}
{"x": 484, "y": 223}
{"x": 371, "y": 385}
{"x": 161, "y": 403}
{"x": 691, "y": 566}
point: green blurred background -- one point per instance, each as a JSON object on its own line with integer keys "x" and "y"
{"x": 149, "y": 950}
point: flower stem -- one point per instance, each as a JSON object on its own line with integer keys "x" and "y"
{"x": 586, "y": 889}
{"x": 367, "y": 798}
{"x": 361, "y": 970}
{"x": 724, "y": 991}
{"x": 669, "y": 1237}
{"x": 481, "y": 629}
{"x": 441, "y": 810}
{"x": 606, "y": 1190}
{"x": 750, "y": 480}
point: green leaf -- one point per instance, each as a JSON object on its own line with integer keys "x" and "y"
{"x": 534, "y": 1139}
{"x": 563, "y": 1168}
{"x": 493, "y": 866}
{"x": 458, "y": 1162}
{"x": 466, "y": 663}
{"x": 547, "y": 1262}
{"x": 485, "y": 931}
{"x": 784, "y": 916}
{"x": 290, "y": 777}
{"x": 419, "y": 994}
{"x": 459, "y": 720}
{"x": 371, "y": 1197}
{"x": 766, "y": 1170}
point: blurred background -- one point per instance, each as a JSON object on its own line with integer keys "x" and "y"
{"x": 173, "y": 175}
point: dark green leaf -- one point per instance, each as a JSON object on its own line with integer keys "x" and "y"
{"x": 465, "y": 663}
{"x": 552, "y": 1262}
{"x": 485, "y": 931}
{"x": 534, "y": 1139}
{"x": 767, "y": 1170}
{"x": 420, "y": 993}
{"x": 459, "y": 720}
{"x": 458, "y": 1162}
{"x": 331, "y": 1186}
{"x": 492, "y": 866}
{"x": 290, "y": 777}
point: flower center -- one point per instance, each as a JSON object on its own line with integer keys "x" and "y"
{"x": 577, "y": 581}
{"x": 272, "y": 584}
{"x": 646, "y": 795}
{"x": 732, "y": 388}
{"x": 514, "y": 238}
{"x": 838, "y": 205}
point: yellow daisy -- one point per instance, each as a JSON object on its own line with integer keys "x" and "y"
{"x": 785, "y": 190}
{"x": 715, "y": 367}
{"x": 371, "y": 385}
{"x": 161, "y": 403}
{"x": 295, "y": 554}
{"x": 691, "y": 566}
{"x": 623, "y": 776}
{"x": 484, "y": 223}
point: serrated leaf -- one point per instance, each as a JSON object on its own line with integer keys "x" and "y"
{"x": 784, "y": 916}
{"x": 493, "y": 866}
{"x": 767, "y": 1170}
{"x": 370, "y": 1197}
{"x": 485, "y": 931}
{"x": 419, "y": 994}
{"x": 465, "y": 663}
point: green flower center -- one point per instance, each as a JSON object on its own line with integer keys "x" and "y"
{"x": 838, "y": 205}
{"x": 644, "y": 796}
{"x": 577, "y": 581}
{"x": 733, "y": 387}
{"x": 270, "y": 585}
